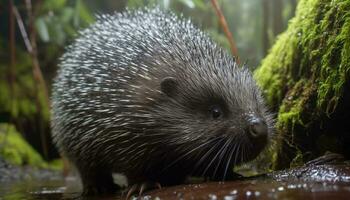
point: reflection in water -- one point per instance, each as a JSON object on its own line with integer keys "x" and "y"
{"x": 55, "y": 189}
{"x": 257, "y": 189}
{"x": 39, "y": 189}
{"x": 315, "y": 182}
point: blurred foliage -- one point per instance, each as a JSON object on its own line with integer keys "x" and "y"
{"x": 15, "y": 149}
{"x": 244, "y": 18}
{"x": 56, "y": 24}
{"x": 22, "y": 105}
{"x": 59, "y": 20}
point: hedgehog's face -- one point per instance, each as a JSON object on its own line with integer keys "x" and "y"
{"x": 224, "y": 121}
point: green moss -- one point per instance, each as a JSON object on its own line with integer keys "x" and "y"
{"x": 297, "y": 160}
{"x": 337, "y": 55}
{"x": 272, "y": 77}
{"x": 320, "y": 31}
{"x": 15, "y": 149}
{"x": 304, "y": 75}
{"x": 55, "y": 164}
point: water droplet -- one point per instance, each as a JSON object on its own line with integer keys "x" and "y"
{"x": 212, "y": 197}
{"x": 230, "y": 197}
{"x": 291, "y": 186}
{"x": 257, "y": 193}
{"x": 248, "y": 193}
{"x": 234, "y": 192}
{"x": 180, "y": 195}
{"x": 147, "y": 197}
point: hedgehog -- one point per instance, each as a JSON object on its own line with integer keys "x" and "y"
{"x": 146, "y": 94}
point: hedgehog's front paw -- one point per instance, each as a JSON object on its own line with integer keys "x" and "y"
{"x": 139, "y": 189}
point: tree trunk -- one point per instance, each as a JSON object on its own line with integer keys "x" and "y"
{"x": 265, "y": 26}
{"x": 293, "y": 4}
{"x": 277, "y": 17}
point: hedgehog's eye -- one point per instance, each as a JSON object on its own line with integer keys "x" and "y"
{"x": 216, "y": 112}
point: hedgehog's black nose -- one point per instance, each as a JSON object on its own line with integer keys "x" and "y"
{"x": 257, "y": 129}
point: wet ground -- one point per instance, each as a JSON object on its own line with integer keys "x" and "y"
{"x": 261, "y": 189}
{"x": 309, "y": 182}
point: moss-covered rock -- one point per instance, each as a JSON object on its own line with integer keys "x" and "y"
{"x": 305, "y": 79}
{"x": 15, "y": 150}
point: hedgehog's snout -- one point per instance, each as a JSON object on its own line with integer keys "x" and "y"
{"x": 257, "y": 130}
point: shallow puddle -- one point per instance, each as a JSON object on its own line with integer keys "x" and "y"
{"x": 315, "y": 182}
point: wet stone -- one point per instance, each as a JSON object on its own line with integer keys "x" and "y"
{"x": 309, "y": 182}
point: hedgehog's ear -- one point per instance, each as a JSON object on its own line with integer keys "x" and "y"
{"x": 169, "y": 86}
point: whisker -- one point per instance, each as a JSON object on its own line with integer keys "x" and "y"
{"x": 229, "y": 160}
{"x": 186, "y": 154}
{"x": 237, "y": 151}
{"x": 206, "y": 155}
{"x": 222, "y": 155}
{"x": 214, "y": 147}
{"x": 211, "y": 162}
